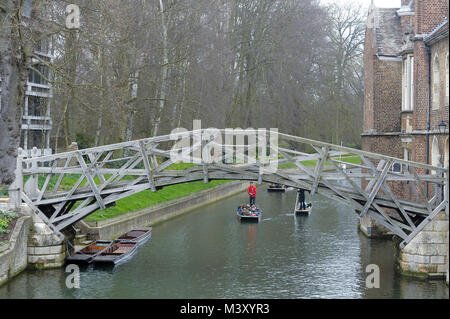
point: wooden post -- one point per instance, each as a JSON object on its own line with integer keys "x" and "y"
{"x": 16, "y": 188}
{"x": 31, "y": 186}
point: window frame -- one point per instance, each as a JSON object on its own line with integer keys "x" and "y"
{"x": 435, "y": 84}
{"x": 408, "y": 83}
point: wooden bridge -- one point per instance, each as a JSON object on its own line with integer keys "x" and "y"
{"x": 402, "y": 196}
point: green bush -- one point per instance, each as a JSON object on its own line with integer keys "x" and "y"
{"x": 5, "y": 219}
{"x": 3, "y": 226}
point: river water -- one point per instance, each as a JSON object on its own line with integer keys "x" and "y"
{"x": 207, "y": 253}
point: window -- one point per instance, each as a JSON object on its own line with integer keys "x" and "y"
{"x": 37, "y": 106}
{"x": 38, "y": 77}
{"x": 446, "y": 159}
{"x": 411, "y": 83}
{"x": 406, "y": 157}
{"x": 435, "y": 154}
{"x": 446, "y": 81}
{"x": 436, "y": 83}
{"x": 408, "y": 83}
{"x": 397, "y": 167}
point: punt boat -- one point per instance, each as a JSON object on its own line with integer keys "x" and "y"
{"x": 252, "y": 217}
{"x": 306, "y": 211}
{"x": 276, "y": 188}
{"x": 118, "y": 252}
{"x": 139, "y": 235}
{"x": 88, "y": 253}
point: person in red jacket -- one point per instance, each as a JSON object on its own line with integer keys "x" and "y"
{"x": 251, "y": 190}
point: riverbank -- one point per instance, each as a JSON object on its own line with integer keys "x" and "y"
{"x": 13, "y": 254}
{"x": 111, "y": 228}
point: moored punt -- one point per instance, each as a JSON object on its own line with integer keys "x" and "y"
{"x": 138, "y": 236}
{"x": 254, "y": 217}
{"x": 119, "y": 251}
{"x": 88, "y": 253}
{"x": 276, "y": 188}
{"x": 305, "y": 211}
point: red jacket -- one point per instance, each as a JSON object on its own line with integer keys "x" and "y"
{"x": 251, "y": 190}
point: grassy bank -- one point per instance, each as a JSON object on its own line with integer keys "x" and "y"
{"x": 147, "y": 198}
{"x": 312, "y": 163}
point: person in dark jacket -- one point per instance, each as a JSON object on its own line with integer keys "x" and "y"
{"x": 301, "y": 199}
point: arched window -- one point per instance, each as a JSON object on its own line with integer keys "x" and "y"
{"x": 436, "y": 83}
{"x": 408, "y": 83}
{"x": 435, "y": 155}
{"x": 446, "y": 81}
{"x": 446, "y": 159}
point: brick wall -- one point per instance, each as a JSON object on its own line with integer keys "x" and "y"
{"x": 429, "y": 13}
{"x": 420, "y": 86}
{"x": 440, "y": 50}
{"x": 387, "y": 96}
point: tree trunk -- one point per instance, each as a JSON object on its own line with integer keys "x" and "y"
{"x": 13, "y": 74}
{"x": 164, "y": 70}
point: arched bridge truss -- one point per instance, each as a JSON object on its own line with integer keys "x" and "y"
{"x": 402, "y": 196}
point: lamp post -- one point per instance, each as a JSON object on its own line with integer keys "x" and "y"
{"x": 442, "y": 126}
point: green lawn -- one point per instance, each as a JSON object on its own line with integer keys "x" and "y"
{"x": 312, "y": 163}
{"x": 147, "y": 198}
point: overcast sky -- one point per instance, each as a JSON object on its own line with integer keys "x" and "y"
{"x": 366, "y": 3}
{"x": 384, "y": 3}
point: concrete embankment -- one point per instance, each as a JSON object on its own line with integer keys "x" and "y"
{"x": 114, "y": 227}
{"x": 13, "y": 255}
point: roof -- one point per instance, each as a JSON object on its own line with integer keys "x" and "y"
{"x": 440, "y": 31}
{"x": 387, "y": 30}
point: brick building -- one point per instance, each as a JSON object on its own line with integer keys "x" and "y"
{"x": 406, "y": 78}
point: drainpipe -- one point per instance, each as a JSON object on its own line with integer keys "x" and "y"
{"x": 427, "y": 142}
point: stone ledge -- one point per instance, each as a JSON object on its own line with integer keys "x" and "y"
{"x": 44, "y": 260}
{"x": 47, "y": 250}
{"x": 426, "y": 249}
{"x": 418, "y": 268}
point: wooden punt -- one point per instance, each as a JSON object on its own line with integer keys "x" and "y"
{"x": 303, "y": 211}
{"x": 253, "y": 218}
{"x": 276, "y": 188}
{"x": 138, "y": 236}
{"x": 118, "y": 252}
{"x": 88, "y": 253}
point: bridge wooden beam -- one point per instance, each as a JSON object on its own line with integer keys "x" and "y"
{"x": 147, "y": 166}
{"x": 91, "y": 181}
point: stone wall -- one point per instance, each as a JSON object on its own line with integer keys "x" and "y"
{"x": 13, "y": 259}
{"x": 44, "y": 249}
{"x": 427, "y": 254}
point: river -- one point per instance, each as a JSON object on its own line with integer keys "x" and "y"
{"x": 207, "y": 253}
